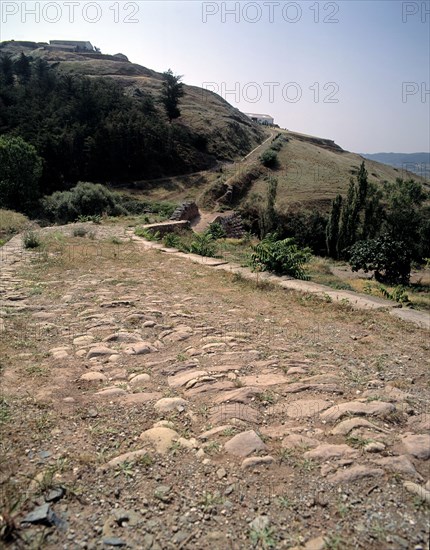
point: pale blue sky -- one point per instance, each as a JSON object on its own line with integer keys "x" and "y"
{"x": 338, "y": 69}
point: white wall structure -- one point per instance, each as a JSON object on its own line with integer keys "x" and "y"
{"x": 74, "y": 45}
{"x": 261, "y": 119}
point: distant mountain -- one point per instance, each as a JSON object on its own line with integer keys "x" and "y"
{"x": 418, "y": 163}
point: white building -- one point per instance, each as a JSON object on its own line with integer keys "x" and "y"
{"x": 71, "y": 45}
{"x": 261, "y": 119}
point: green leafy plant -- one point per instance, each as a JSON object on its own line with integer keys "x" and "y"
{"x": 146, "y": 234}
{"x": 269, "y": 158}
{"x": 171, "y": 240}
{"x": 31, "y": 240}
{"x": 217, "y": 231}
{"x": 204, "y": 245}
{"x": 389, "y": 259}
{"x": 282, "y": 257}
{"x": 398, "y": 294}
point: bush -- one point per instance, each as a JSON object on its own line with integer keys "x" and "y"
{"x": 269, "y": 158}
{"x": 86, "y": 199}
{"x": 281, "y": 257}
{"x": 203, "y": 244}
{"x": 11, "y": 223}
{"x": 20, "y": 171}
{"x": 171, "y": 240}
{"x": 390, "y": 260}
{"x": 31, "y": 240}
{"x": 80, "y": 231}
{"x": 217, "y": 231}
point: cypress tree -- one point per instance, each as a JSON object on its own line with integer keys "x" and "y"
{"x": 332, "y": 232}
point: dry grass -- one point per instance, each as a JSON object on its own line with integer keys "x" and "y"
{"x": 11, "y": 223}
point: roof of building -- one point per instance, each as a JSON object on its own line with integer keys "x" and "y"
{"x": 257, "y": 115}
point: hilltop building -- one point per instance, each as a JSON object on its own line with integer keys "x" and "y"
{"x": 261, "y": 119}
{"x": 71, "y": 46}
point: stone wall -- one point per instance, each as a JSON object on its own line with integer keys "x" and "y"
{"x": 186, "y": 211}
{"x": 167, "y": 227}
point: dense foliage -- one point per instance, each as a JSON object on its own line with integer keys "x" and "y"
{"x": 282, "y": 257}
{"x": 88, "y": 129}
{"x": 20, "y": 171}
{"x": 389, "y": 259}
{"x": 173, "y": 90}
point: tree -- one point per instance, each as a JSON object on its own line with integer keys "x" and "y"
{"x": 268, "y": 217}
{"x": 346, "y": 223}
{"x": 404, "y": 212}
{"x": 20, "y": 171}
{"x": 332, "y": 234}
{"x": 350, "y": 213}
{"x": 172, "y": 92}
{"x": 6, "y": 69}
{"x": 390, "y": 260}
{"x": 23, "y": 68}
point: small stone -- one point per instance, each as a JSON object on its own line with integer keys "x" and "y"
{"x": 168, "y": 404}
{"x": 374, "y": 447}
{"x": 260, "y": 523}
{"x": 244, "y": 444}
{"x": 41, "y": 514}
{"x": 111, "y": 392}
{"x": 221, "y": 473}
{"x": 55, "y": 494}
{"x": 98, "y": 351}
{"x": 141, "y": 348}
{"x": 126, "y": 457}
{"x": 93, "y": 377}
{"x": 416, "y": 489}
{"x": 346, "y": 426}
{"x": 355, "y": 473}
{"x": 83, "y": 340}
{"x": 373, "y": 408}
{"x": 163, "y": 493}
{"x": 161, "y": 438}
{"x": 400, "y": 464}
{"x": 114, "y": 541}
{"x": 317, "y": 543}
{"x": 326, "y": 451}
{"x": 417, "y": 445}
{"x": 139, "y": 380}
{"x": 254, "y": 461}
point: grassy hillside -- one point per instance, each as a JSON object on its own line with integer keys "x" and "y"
{"x": 228, "y": 132}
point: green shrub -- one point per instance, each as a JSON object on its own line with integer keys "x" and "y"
{"x": 398, "y": 294}
{"x": 86, "y": 199}
{"x": 146, "y": 234}
{"x": 390, "y": 260}
{"x": 269, "y": 158}
{"x": 217, "y": 231}
{"x": 204, "y": 245}
{"x": 80, "y": 231}
{"x": 280, "y": 257}
{"x": 31, "y": 240}
{"x": 172, "y": 240}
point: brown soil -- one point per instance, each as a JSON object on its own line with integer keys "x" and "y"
{"x": 245, "y": 358}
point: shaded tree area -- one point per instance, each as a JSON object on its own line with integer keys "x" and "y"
{"x": 88, "y": 129}
{"x": 173, "y": 90}
{"x": 380, "y": 229}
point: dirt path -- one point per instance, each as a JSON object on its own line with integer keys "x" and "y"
{"x": 156, "y": 404}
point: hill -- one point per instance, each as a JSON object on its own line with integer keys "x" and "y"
{"x": 205, "y": 148}
{"x": 210, "y": 130}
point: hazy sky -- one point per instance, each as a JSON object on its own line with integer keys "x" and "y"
{"x": 353, "y": 71}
